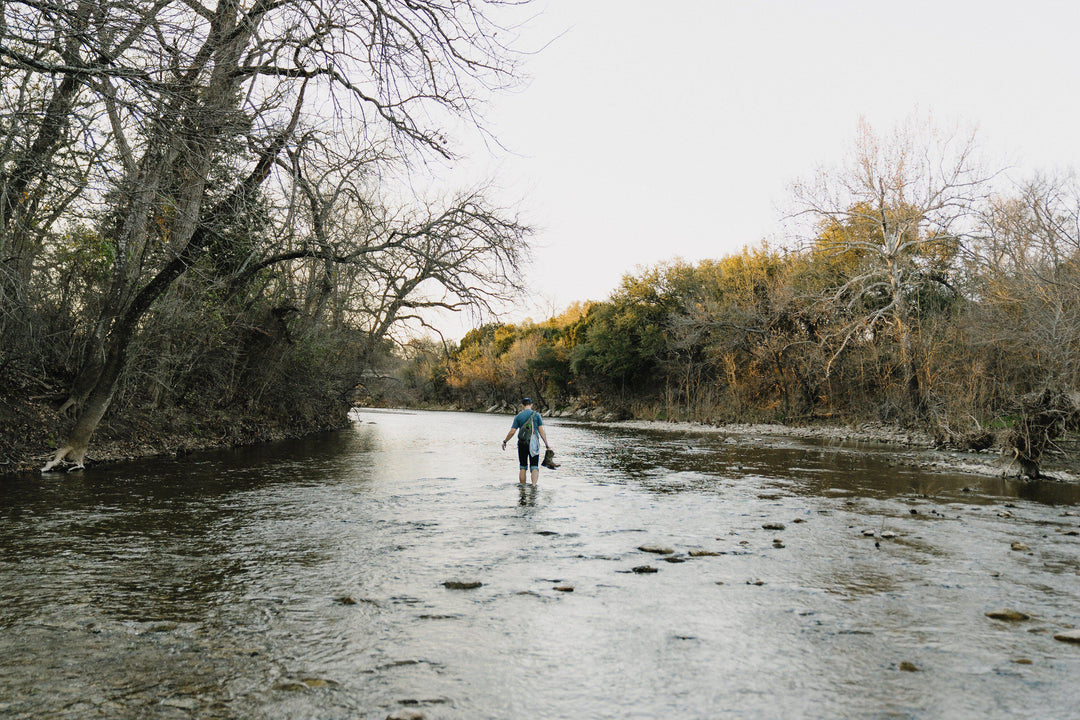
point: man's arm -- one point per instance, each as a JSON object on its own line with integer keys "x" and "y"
{"x": 544, "y": 435}
{"x": 510, "y": 435}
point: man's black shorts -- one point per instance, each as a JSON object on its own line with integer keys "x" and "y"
{"x": 525, "y": 459}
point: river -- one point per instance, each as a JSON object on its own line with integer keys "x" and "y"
{"x": 308, "y": 580}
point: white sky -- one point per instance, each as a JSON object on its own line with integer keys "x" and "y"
{"x": 651, "y": 131}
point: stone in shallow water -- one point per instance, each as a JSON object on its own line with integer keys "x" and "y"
{"x": 405, "y": 715}
{"x": 1019, "y": 546}
{"x": 644, "y": 569}
{"x": 1069, "y": 636}
{"x": 658, "y": 549}
{"x": 462, "y": 584}
{"x": 908, "y": 667}
{"x": 773, "y": 526}
{"x": 313, "y": 682}
{"x": 1008, "y": 615}
{"x": 703, "y": 553}
{"x": 564, "y": 588}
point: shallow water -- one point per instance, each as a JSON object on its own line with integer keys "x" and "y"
{"x": 305, "y": 580}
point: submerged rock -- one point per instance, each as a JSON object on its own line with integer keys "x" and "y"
{"x": 564, "y": 588}
{"x": 1069, "y": 636}
{"x": 644, "y": 569}
{"x": 405, "y": 715}
{"x": 703, "y": 553}
{"x": 908, "y": 667}
{"x": 773, "y": 526}
{"x": 462, "y": 584}
{"x": 658, "y": 549}
{"x": 1008, "y": 615}
{"x": 1019, "y": 546}
{"x": 313, "y": 682}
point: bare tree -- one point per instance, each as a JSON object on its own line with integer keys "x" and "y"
{"x": 899, "y": 210}
{"x": 1025, "y": 325}
{"x": 202, "y": 100}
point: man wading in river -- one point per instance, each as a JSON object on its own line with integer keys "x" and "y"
{"x": 528, "y": 425}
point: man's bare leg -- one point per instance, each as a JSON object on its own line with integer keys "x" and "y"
{"x": 535, "y": 475}
{"x": 521, "y": 476}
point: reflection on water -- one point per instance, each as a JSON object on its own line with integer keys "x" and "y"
{"x": 309, "y": 580}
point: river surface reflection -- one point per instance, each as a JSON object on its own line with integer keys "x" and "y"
{"x": 306, "y": 580}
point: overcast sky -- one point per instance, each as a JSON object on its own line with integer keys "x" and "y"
{"x": 651, "y": 131}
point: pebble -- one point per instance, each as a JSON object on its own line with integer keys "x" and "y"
{"x": 755, "y": 582}
{"x": 675, "y": 559}
{"x": 1008, "y": 615}
{"x": 1023, "y": 661}
{"x": 1019, "y": 546}
{"x": 889, "y": 534}
{"x": 564, "y": 588}
{"x": 1069, "y": 636}
{"x": 644, "y": 569}
{"x": 703, "y": 553}
{"x": 777, "y": 543}
{"x": 658, "y": 549}
{"x": 868, "y": 533}
{"x": 773, "y": 526}
{"x": 908, "y": 667}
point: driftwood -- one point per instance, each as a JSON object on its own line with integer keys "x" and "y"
{"x": 1042, "y": 418}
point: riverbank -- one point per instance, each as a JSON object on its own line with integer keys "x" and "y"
{"x": 33, "y": 428}
{"x": 907, "y": 447}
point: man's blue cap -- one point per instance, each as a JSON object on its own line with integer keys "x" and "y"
{"x": 526, "y": 401}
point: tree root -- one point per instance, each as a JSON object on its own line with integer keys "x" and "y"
{"x": 77, "y": 456}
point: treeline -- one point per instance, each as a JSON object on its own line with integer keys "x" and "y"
{"x": 921, "y": 294}
{"x": 197, "y": 218}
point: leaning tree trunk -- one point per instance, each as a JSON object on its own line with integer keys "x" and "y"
{"x": 119, "y": 341}
{"x": 198, "y": 231}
